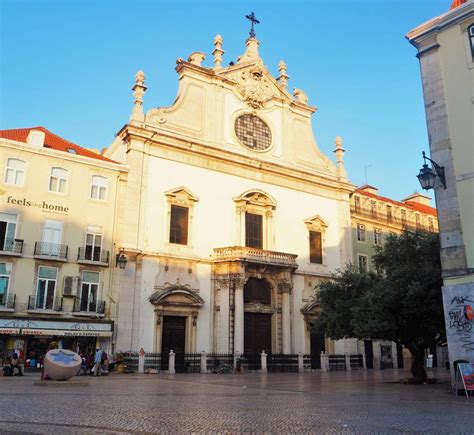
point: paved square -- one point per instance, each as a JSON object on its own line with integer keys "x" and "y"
{"x": 336, "y": 402}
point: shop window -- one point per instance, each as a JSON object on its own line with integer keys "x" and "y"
{"x": 361, "y": 233}
{"x": 179, "y": 225}
{"x": 5, "y": 272}
{"x": 15, "y": 172}
{"x": 46, "y": 287}
{"x": 315, "y": 247}
{"x": 99, "y": 188}
{"x": 58, "y": 180}
{"x": 362, "y": 259}
{"x": 377, "y": 237}
{"x": 89, "y": 291}
{"x": 7, "y": 231}
{"x": 253, "y": 230}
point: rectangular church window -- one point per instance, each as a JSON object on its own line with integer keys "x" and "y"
{"x": 315, "y": 247}
{"x": 254, "y": 230}
{"x": 179, "y": 225}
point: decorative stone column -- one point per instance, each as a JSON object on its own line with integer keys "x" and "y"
{"x": 263, "y": 362}
{"x": 285, "y": 288}
{"x": 239, "y": 315}
{"x": 171, "y": 369}
{"x": 203, "y": 362}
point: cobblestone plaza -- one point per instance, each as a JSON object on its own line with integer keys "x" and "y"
{"x": 336, "y": 402}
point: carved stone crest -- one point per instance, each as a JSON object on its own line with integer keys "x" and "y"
{"x": 255, "y": 87}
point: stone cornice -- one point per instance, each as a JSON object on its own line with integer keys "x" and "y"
{"x": 439, "y": 23}
{"x": 229, "y": 158}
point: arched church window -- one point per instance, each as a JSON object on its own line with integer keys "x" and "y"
{"x": 257, "y": 291}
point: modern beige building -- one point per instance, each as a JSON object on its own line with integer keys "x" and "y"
{"x": 374, "y": 218}
{"x": 57, "y": 265}
{"x": 445, "y": 47}
{"x": 232, "y": 213}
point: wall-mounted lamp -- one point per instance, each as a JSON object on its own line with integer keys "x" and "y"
{"x": 121, "y": 259}
{"x": 427, "y": 176}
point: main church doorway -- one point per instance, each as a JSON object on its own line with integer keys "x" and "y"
{"x": 258, "y": 317}
{"x": 174, "y": 337}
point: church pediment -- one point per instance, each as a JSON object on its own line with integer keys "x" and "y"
{"x": 176, "y": 295}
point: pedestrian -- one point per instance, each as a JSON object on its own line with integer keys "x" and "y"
{"x": 7, "y": 368}
{"x": 15, "y": 365}
{"x": 98, "y": 362}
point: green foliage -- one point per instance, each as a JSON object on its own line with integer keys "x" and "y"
{"x": 401, "y": 302}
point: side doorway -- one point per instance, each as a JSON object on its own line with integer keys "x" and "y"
{"x": 369, "y": 353}
{"x": 318, "y": 345}
{"x": 174, "y": 338}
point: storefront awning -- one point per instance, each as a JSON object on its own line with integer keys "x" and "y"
{"x": 64, "y": 332}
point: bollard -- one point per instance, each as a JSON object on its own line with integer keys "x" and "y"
{"x": 348, "y": 362}
{"x": 263, "y": 362}
{"x": 324, "y": 362}
{"x": 203, "y": 362}
{"x": 141, "y": 361}
{"x": 171, "y": 363}
{"x": 300, "y": 363}
{"x": 364, "y": 361}
{"x": 236, "y": 361}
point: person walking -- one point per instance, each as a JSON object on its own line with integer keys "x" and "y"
{"x": 98, "y": 362}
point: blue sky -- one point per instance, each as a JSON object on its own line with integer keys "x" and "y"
{"x": 69, "y": 66}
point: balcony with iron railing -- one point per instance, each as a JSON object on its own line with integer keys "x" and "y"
{"x": 388, "y": 219}
{"x": 254, "y": 255}
{"x": 45, "y": 304}
{"x": 89, "y": 307}
{"x": 7, "y": 302}
{"x": 92, "y": 255}
{"x": 11, "y": 247}
{"x": 51, "y": 251}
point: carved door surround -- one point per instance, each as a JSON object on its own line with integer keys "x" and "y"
{"x": 177, "y": 300}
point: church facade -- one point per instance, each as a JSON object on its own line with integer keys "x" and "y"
{"x": 231, "y": 215}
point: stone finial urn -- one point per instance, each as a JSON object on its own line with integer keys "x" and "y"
{"x": 62, "y": 364}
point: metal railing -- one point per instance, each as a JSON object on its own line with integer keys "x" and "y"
{"x": 308, "y": 362}
{"x": 7, "y": 301}
{"x": 153, "y": 360}
{"x": 356, "y": 361}
{"x": 89, "y": 306}
{"x": 130, "y": 359}
{"x": 254, "y": 254}
{"x": 214, "y": 360}
{"x": 282, "y": 363}
{"x": 12, "y": 246}
{"x": 337, "y": 362}
{"x": 92, "y": 255}
{"x": 191, "y": 363}
{"x": 51, "y": 250}
{"x": 251, "y": 361}
{"x": 36, "y": 302}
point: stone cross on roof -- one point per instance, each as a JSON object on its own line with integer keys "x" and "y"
{"x": 254, "y": 21}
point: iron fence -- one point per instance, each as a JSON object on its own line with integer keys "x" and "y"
{"x": 130, "y": 359}
{"x": 356, "y": 362}
{"x": 86, "y": 305}
{"x": 251, "y": 361}
{"x": 192, "y": 363}
{"x": 153, "y": 360}
{"x": 42, "y": 302}
{"x": 217, "y": 360}
{"x": 308, "y": 362}
{"x": 337, "y": 362}
{"x": 282, "y": 363}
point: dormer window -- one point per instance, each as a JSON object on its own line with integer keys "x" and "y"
{"x": 470, "y": 32}
{"x": 71, "y": 150}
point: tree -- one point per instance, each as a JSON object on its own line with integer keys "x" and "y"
{"x": 401, "y": 301}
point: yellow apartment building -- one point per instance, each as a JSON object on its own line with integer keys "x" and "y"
{"x": 57, "y": 258}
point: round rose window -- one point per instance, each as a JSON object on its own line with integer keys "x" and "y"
{"x": 253, "y": 132}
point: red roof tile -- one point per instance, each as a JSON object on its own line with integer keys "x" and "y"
{"x": 52, "y": 141}
{"x": 457, "y": 3}
{"x": 409, "y": 204}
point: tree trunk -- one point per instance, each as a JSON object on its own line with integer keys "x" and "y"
{"x": 418, "y": 366}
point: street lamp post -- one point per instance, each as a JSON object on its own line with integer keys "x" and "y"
{"x": 427, "y": 176}
{"x": 121, "y": 260}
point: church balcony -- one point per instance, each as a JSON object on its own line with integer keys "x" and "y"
{"x": 254, "y": 255}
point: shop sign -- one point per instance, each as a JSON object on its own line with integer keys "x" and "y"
{"x": 43, "y": 205}
{"x": 40, "y": 327}
{"x": 9, "y": 330}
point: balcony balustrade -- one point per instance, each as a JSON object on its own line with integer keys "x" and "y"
{"x": 90, "y": 306}
{"x": 92, "y": 255}
{"x": 7, "y": 301}
{"x": 51, "y": 251}
{"x": 42, "y": 302}
{"x": 11, "y": 247}
{"x": 254, "y": 255}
